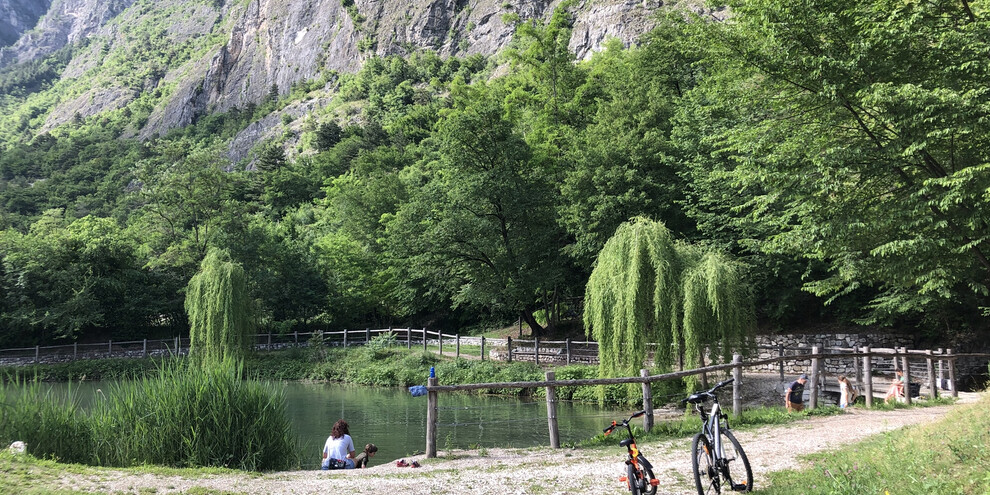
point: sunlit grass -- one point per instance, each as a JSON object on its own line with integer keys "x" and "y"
{"x": 951, "y": 455}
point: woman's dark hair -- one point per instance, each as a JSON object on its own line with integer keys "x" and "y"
{"x": 339, "y": 429}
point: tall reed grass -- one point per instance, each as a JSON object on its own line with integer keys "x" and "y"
{"x": 186, "y": 416}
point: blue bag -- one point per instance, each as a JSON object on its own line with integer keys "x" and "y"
{"x": 417, "y": 390}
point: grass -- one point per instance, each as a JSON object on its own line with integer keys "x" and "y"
{"x": 184, "y": 416}
{"x": 948, "y": 456}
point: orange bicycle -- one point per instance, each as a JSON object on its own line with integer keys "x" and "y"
{"x": 639, "y": 472}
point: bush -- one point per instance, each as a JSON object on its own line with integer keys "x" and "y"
{"x": 184, "y": 416}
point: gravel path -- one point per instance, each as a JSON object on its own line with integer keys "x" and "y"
{"x": 538, "y": 470}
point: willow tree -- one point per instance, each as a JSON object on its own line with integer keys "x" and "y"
{"x": 219, "y": 309}
{"x": 646, "y": 287}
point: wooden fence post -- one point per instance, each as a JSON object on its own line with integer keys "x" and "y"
{"x": 857, "y": 368}
{"x": 295, "y": 338}
{"x": 536, "y": 350}
{"x": 482, "y": 347}
{"x": 780, "y": 350}
{"x": 867, "y": 377}
{"x": 345, "y": 338}
{"x": 431, "y": 419}
{"x": 144, "y": 351}
{"x": 813, "y": 398}
{"x": 508, "y": 346}
{"x": 647, "y": 401}
{"x": 440, "y": 339}
{"x": 424, "y": 338}
{"x": 408, "y": 338}
{"x": 941, "y": 367}
{"x": 737, "y": 385}
{"x": 110, "y": 348}
{"x": 75, "y": 350}
{"x": 37, "y": 354}
{"x": 907, "y": 376}
{"x": 175, "y": 346}
{"x": 930, "y": 365}
{"x": 567, "y": 344}
{"x": 457, "y": 341}
{"x": 552, "y": 411}
{"x": 269, "y": 340}
{"x": 951, "y": 363}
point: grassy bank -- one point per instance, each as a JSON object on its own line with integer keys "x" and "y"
{"x": 181, "y": 416}
{"x": 948, "y": 456}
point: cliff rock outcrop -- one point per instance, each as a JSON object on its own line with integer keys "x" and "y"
{"x": 223, "y": 54}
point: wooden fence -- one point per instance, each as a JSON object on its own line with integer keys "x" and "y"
{"x": 509, "y": 349}
{"x": 816, "y": 382}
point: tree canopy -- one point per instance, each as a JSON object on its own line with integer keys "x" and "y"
{"x": 648, "y": 288}
{"x": 220, "y": 315}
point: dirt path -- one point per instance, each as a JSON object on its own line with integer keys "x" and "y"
{"x": 537, "y": 470}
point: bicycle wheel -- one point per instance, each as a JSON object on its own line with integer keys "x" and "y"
{"x": 632, "y": 479}
{"x": 647, "y": 488}
{"x": 736, "y": 471}
{"x": 705, "y": 476}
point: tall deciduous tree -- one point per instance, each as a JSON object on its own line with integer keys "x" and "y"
{"x": 219, "y": 309}
{"x": 861, "y": 129}
{"x": 481, "y": 227}
{"x": 648, "y": 288}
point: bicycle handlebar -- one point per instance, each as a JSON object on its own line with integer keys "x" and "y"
{"x": 699, "y": 396}
{"x": 624, "y": 422}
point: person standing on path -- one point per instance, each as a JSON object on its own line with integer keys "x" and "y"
{"x": 794, "y": 396}
{"x": 847, "y": 394}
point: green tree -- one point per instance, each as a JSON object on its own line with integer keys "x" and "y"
{"x": 186, "y": 195}
{"x": 481, "y": 227}
{"x": 859, "y": 131}
{"x": 220, "y": 311}
{"x": 646, "y": 287}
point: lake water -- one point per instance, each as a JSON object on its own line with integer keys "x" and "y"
{"x": 395, "y": 421}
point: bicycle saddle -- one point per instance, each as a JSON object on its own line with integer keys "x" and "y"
{"x": 626, "y": 442}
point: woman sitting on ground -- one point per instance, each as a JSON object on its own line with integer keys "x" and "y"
{"x": 338, "y": 451}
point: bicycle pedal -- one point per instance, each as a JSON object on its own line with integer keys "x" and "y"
{"x": 739, "y": 487}
{"x": 623, "y": 478}
{"x": 655, "y": 482}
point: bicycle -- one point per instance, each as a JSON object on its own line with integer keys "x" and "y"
{"x": 639, "y": 472}
{"x": 711, "y": 462}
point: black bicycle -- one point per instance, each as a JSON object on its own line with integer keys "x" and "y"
{"x": 718, "y": 460}
{"x": 639, "y": 472}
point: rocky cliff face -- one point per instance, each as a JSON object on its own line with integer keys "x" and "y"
{"x": 252, "y": 45}
{"x": 18, "y": 16}
{"x": 64, "y": 22}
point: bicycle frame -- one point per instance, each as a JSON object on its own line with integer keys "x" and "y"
{"x": 712, "y": 428}
{"x": 639, "y": 463}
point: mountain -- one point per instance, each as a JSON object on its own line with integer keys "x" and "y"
{"x": 18, "y": 16}
{"x": 167, "y": 62}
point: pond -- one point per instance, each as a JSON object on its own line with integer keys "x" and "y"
{"x": 395, "y": 421}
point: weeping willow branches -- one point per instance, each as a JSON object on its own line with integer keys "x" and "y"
{"x": 219, "y": 310}
{"x": 646, "y": 287}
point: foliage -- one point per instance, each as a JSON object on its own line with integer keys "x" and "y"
{"x": 836, "y": 148}
{"x": 647, "y": 288}
{"x": 183, "y": 416}
{"x": 856, "y": 131}
{"x": 220, "y": 320}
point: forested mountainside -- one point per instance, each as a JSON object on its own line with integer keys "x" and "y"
{"x": 457, "y": 163}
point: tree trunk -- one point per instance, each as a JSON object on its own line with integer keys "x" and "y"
{"x": 527, "y": 316}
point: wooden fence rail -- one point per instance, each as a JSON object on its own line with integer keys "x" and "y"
{"x": 736, "y": 367}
